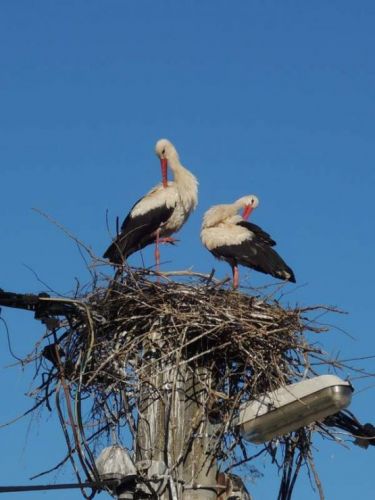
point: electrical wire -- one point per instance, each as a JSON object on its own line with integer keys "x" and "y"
{"x": 8, "y": 338}
{"x": 43, "y": 487}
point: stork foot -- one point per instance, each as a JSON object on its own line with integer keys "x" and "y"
{"x": 168, "y": 239}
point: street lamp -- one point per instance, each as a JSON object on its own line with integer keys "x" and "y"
{"x": 291, "y": 407}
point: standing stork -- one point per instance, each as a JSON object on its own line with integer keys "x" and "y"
{"x": 160, "y": 213}
{"x": 230, "y": 237}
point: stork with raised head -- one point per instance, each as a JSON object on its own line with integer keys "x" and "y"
{"x": 160, "y": 213}
{"x": 230, "y": 237}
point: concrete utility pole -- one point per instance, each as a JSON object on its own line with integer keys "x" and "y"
{"x": 161, "y": 423}
{"x": 200, "y": 467}
{"x": 173, "y": 434}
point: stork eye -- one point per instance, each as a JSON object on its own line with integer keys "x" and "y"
{"x": 163, "y": 152}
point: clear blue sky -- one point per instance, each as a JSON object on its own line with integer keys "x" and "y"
{"x": 275, "y": 98}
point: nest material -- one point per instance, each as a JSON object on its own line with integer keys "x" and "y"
{"x": 102, "y": 356}
{"x": 254, "y": 337}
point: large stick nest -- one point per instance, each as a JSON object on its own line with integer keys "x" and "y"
{"x": 102, "y": 354}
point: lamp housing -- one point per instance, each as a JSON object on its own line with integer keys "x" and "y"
{"x": 289, "y": 408}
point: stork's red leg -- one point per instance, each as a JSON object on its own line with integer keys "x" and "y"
{"x": 157, "y": 250}
{"x": 236, "y": 279}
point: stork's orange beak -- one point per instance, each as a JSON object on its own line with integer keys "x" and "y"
{"x": 164, "y": 175}
{"x": 247, "y": 211}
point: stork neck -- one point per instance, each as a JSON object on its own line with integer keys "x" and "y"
{"x": 185, "y": 183}
{"x": 174, "y": 164}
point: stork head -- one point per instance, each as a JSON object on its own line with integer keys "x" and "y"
{"x": 165, "y": 151}
{"x": 247, "y": 203}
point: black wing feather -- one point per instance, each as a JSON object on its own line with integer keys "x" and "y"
{"x": 136, "y": 233}
{"x": 256, "y": 255}
{"x": 125, "y": 221}
{"x": 258, "y": 231}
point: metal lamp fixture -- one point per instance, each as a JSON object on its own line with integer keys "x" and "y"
{"x": 115, "y": 464}
{"x": 287, "y": 409}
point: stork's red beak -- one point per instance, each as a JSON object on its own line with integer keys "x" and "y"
{"x": 247, "y": 211}
{"x": 164, "y": 165}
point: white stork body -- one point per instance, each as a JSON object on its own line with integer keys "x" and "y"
{"x": 161, "y": 212}
{"x": 230, "y": 237}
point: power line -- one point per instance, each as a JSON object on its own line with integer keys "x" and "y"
{"x": 64, "y": 486}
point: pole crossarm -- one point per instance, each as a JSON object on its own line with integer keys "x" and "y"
{"x": 39, "y": 304}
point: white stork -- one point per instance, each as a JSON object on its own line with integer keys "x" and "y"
{"x": 160, "y": 213}
{"x": 230, "y": 237}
